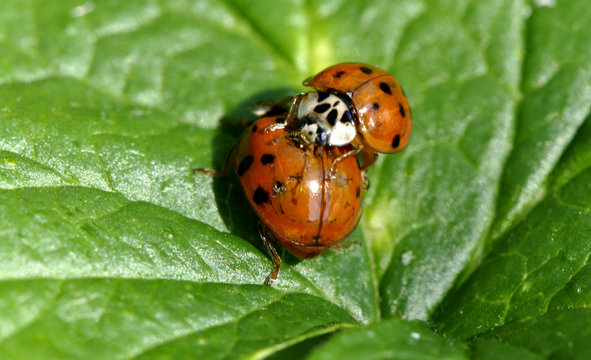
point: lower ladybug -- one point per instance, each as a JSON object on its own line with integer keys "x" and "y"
{"x": 300, "y": 200}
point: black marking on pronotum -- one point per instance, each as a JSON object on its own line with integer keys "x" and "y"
{"x": 280, "y": 120}
{"x": 305, "y": 121}
{"x": 375, "y": 106}
{"x": 260, "y": 196}
{"x": 319, "y": 109}
{"x": 348, "y": 101}
{"x": 278, "y": 187}
{"x": 385, "y": 88}
{"x": 366, "y": 70}
{"x": 321, "y": 137}
{"x": 357, "y": 192}
{"x": 402, "y": 111}
{"x": 267, "y": 159}
{"x": 244, "y": 165}
{"x": 332, "y": 117}
{"x": 254, "y": 128}
{"x": 346, "y": 117}
{"x": 322, "y": 96}
{"x": 396, "y": 141}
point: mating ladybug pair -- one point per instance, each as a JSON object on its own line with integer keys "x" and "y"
{"x": 299, "y": 169}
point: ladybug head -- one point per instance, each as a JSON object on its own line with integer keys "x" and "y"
{"x": 325, "y": 119}
{"x": 311, "y": 132}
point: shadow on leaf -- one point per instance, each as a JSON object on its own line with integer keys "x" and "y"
{"x": 232, "y": 205}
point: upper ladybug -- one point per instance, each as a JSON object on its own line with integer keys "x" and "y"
{"x": 354, "y": 104}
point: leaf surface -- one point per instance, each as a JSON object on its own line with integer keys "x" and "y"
{"x": 112, "y": 247}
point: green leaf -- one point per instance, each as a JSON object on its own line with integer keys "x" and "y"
{"x": 540, "y": 266}
{"x": 112, "y": 247}
{"x": 432, "y": 205}
{"x": 556, "y": 89}
{"x": 575, "y": 159}
{"x": 151, "y": 318}
{"x": 484, "y": 349}
{"x": 98, "y": 145}
{"x": 562, "y": 334}
{"x": 534, "y": 280}
{"x": 390, "y": 340}
{"x": 130, "y": 277}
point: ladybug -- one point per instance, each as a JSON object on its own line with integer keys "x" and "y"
{"x": 297, "y": 199}
{"x": 354, "y": 104}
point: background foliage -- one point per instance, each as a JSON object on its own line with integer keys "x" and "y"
{"x": 474, "y": 241}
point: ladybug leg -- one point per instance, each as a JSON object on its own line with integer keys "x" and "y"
{"x": 263, "y": 108}
{"x": 333, "y": 167}
{"x": 224, "y": 171}
{"x": 291, "y": 120}
{"x": 368, "y": 157}
{"x": 365, "y": 179}
{"x": 274, "y": 255}
{"x": 273, "y": 127}
{"x": 357, "y": 147}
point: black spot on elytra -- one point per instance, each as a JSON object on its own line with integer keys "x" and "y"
{"x": 366, "y": 70}
{"x": 267, "y": 159}
{"x": 244, "y": 165}
{"x": 319, "y": 109}
{"x": 322, "y": 96}
{"x": 358, "y": 192}
{"x": 385, "y": 88}
{"x": 338, "y": 74}
{"x": 375, "y": 106}
{"x": 402, "y": 111}
{"x": 332, "y": 117}
{"x": 260, "y": 196}
{"x": 254, "y": 128}
{"x": 396, "y": 141}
